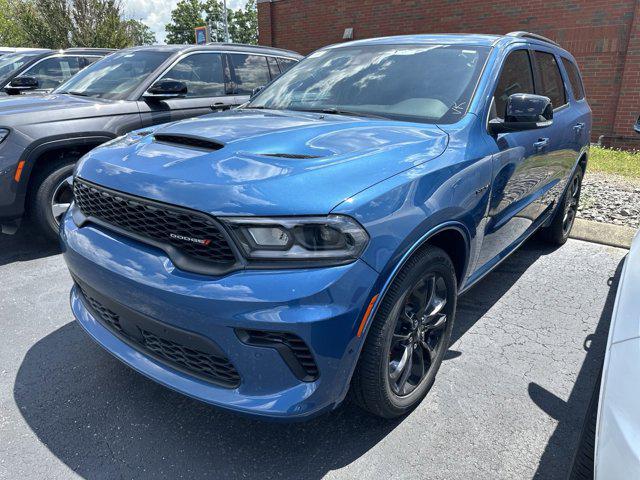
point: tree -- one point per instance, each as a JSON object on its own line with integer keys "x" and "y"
{"x": 184, "y": 18}
{"x": 77, "y": 23}
{"x": 10, "y": 32}
{"x": 188, "y": 14}
{"x": 243, "y": 26}
{"x": 140, "y": 33}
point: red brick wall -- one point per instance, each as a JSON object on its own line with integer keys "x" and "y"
{"x": 603, "y": 35}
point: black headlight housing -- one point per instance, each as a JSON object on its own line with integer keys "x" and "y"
{"x": 309, "y": 240}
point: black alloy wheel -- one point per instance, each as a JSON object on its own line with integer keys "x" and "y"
{"x": 418, "y": 335}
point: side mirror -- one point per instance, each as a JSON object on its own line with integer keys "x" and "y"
{"x": 524, "y": 111}
{"x": 636, "y": 127}
{"x": 256, "y": 91}
{"x": 165, "y": 89}
{"x": 23, "y": 83}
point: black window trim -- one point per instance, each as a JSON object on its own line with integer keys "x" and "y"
{"x": 568, "y": 79}
{"x": 536, "y": 73}
{"x": 172, "y": 60}
{"x": 527, "y": 49}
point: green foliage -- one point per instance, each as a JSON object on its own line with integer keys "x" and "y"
{"x": 188, "y": 14}
{"x": 10, "y": 33}
{"x": 184, "y": 18}
{"x": 619, "y": 162}
{"x": 69, "y": 23}
{"x": 140, "y": 33}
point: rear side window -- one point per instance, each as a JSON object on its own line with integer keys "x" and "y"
{"x": 574, "y": 78}
{"x": 552, "y": 85}
{"x": 251, "y": 72}
{"x": 201, "y": 73}
{"x": 286, "y": 64}
{"x": 516, "y": 77}
{"x": 86, "y": 61}
{"x": 274, "y": 70}
{"x": 51, "y": 72}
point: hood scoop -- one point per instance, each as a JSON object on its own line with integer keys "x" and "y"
{"x": 290, "y": 155}
{"x": 188, "y": 141}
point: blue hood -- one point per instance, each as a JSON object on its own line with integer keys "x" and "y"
{"x": 269, "y": 163}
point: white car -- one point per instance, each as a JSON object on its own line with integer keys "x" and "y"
{"x": 616, "y": 439}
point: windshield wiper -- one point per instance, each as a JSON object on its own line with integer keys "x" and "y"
{"x": 79, "y": 94}
{"x": 339, "y": 111}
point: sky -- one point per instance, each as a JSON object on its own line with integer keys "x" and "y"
{"x": 157, "y": 13}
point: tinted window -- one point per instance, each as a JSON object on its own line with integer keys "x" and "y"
{"x": 574, "y": 78}
{"x": 274, "y": 70}
{"x": 86, "y": 61}
{"x": 403, "y": 82}
{"x": 201, "y": 72}
{"x": 13, "y": 61}
{"x": 286, "y": 64}
{"x": 51, "y": 72}
{"x": 251, "y": 71}
{"x": 116, "y": 75}
{"x": 516, "y": 77}
{"x": 552, "y": 85}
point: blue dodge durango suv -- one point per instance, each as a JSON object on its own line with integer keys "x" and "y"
{"x": 312, "y": 242}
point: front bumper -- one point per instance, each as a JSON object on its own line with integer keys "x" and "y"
{"x": 321, "y": 306}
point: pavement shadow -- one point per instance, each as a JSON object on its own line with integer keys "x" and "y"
{"x": 557, "y": 459}
{"x": 475, "y": 303}
{"x": 103, "y": 420}
{"x": 26, "y": 244}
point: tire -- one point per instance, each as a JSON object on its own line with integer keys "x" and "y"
{"x": 376, "y": 382}
{"x": 557, "y": 233}
{"x": 50, "y": 182}
{"x": 583, "y": 462}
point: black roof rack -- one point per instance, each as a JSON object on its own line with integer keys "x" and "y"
{"x": 533, "y": 36}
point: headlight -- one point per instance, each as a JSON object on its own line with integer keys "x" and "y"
{"x": 334, "y": 238}
{"x": 3, "y": 134}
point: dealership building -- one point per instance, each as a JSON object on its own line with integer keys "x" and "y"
{"x": 603, "y": 35}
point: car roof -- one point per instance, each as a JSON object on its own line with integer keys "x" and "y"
{"x": 467, "y": 39}
{"x": 227, "y": 47}
{"x": 89, "y": 51}
{"x": 22, "y": 49}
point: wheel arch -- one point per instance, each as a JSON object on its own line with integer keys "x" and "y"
{"x": 46, "y": 149}
{"x": 452, "y": 237}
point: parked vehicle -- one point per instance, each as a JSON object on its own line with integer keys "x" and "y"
{"x": 269, "y": 258}
{"x": 6, "y": 50}
{"x": 42, "y": 70}
{"x": 609, "y": 445}
{"x": 41, "y": 138}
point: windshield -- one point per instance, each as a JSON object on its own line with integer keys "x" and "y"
{"x": 13, "y": 61}
{"x": 115, "y": 76}
{"x": 423, "y": 83}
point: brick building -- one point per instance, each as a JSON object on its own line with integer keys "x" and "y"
{"x": 603, "y": 35}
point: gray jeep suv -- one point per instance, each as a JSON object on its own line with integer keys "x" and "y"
{"x": 41, "y": 137}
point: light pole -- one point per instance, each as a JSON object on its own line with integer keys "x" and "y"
{"x": 226, "y": 23}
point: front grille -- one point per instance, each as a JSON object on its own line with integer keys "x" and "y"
{"x": 109, "y": 318}
{"x": 192, "y": 360}
{"x": 193, "y": 234}
{"x": 215, "y": 368}
{"x": 301, "y": 353}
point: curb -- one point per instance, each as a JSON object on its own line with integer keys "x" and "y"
{"x": 602, "y": 233}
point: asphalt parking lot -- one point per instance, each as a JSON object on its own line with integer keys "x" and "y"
{"x": 508, "y": 402}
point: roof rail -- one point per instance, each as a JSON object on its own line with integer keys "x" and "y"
{"x": 533, "y": 36}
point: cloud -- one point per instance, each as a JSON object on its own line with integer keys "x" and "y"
{"x": 157, "y": 13}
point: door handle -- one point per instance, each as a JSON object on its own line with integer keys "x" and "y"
{"x": 541, "y": 144}
{"x": 578, "y": 127}
{"x": 220, "y": 106}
